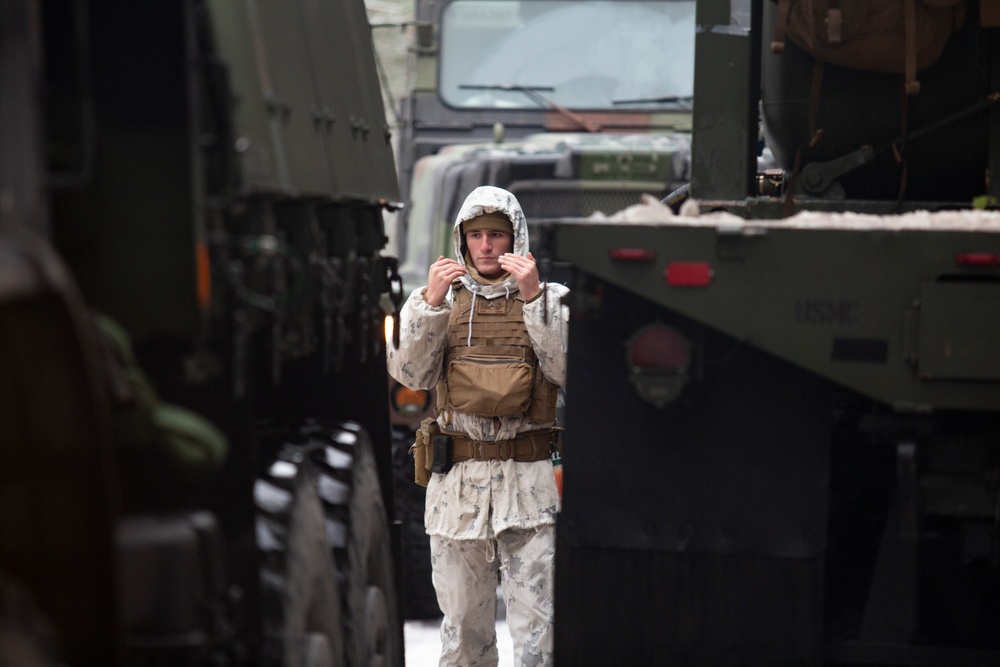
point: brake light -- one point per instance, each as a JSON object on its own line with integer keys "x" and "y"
{"x": 657, "y": 348}
{"x": 978, "y": 259}
{"x": 658, "y": 358}
{"x": 633, "y": 254}
{"x": 688, "y": 274}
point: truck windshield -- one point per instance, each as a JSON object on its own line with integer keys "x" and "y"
{"x": 594, "y": 55}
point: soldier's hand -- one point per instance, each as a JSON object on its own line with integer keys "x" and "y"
{"x": 441, "y": 275}
{"x": 525, "y": 271}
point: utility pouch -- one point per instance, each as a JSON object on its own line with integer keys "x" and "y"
{"x": 421, "y": 451}
{"x": 490, "y": 386}
{"x": 442, "y": 453}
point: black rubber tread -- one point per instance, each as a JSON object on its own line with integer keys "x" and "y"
{"x": 417, "y": 597}
{"x": 357, "y": 526}
{"x": 322, "y": 494}
{"x": 299, "y": 581}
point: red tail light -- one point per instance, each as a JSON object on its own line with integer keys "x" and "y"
{"x": 978, "y": 258}
{"x": 658, "y": 358}
{"x": 688, "y": 274}
{"x": 633, "y": 254}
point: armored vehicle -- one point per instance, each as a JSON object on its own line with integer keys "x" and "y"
{"x": 194, "y": 438}
{"x": 782, "y": 420}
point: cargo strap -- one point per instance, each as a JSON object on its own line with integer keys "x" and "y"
{"x": 534, "y": 446}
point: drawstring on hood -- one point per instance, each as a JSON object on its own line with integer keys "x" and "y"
{"x": 489, "y": 201}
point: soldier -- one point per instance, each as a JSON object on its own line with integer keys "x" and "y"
{"x": 492, "y": 339}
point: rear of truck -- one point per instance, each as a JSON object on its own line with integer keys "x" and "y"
{"x": 782, "y": 441}
{"x": 783, "y": 415}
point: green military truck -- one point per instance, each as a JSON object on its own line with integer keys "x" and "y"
{"x": 574, "y": 106}
{"x": 194, "y": 438}
{"x": 782, "y": 418}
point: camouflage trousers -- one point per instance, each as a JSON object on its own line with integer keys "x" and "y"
{"x": 465, "y": 579}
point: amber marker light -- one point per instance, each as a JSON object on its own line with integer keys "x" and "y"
{"x": 389, "y": 325}
{"x": 408, "y": 402}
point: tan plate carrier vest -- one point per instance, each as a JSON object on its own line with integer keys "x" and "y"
{"x": 498, "y": 374}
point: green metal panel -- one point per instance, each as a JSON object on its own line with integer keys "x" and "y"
{"x": 262, "y": 154}
{"x": 837, "y": 302}
{"x": 723, "y": 148}
{"x": 129, "y": 230}
{"x": 349, "y": 106}
{"x": 288, "y": 93}
{"x": 308, "y": 120}
{"x": 959, "y": 335}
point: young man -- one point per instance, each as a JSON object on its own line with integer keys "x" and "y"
{"x": 492, "y": 340}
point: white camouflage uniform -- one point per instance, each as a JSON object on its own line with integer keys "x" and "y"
{"x": 485, "y": 515}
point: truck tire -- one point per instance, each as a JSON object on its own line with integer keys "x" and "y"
{"x": 372, "y": 616}
{"x": 343, "y": 524}
{"x": 301, "y": 612}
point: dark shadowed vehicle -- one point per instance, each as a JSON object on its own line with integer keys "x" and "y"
{"x": 782, "y": 420}
{"x": 194, "y": 438}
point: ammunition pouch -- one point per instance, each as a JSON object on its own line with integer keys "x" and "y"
{"x": 421, "y": 449}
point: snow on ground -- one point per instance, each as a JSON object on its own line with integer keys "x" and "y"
{"x": 423, "y": 643}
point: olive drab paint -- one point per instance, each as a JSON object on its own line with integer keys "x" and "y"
{"x": 829, "y": 463}
{"x": 195, "y": 448}
{"x": 307, "y": 119}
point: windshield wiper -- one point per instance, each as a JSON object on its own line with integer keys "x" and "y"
{"x": 532, "y": 93}
{"x": 675, "y": 99}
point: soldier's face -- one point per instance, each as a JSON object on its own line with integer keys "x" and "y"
{"x": 485, "y": 247}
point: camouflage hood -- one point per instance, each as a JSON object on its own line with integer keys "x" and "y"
{"x": 489, "y": 199}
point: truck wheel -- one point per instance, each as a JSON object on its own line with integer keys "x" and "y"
{"x": 325, "y": 481}
{"x": 299, "y": 596}
{"x": 371, "y": 608}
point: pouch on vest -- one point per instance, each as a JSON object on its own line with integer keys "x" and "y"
{"x": 421, "y": 451}
{"x": 489, "y": 386}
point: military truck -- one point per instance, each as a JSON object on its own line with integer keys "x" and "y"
{"x": 782, "y": 420}
{"x": 574, "y": 106}
{"x": 194, "y": 438}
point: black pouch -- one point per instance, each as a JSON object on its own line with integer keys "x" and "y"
{"x": 442, "y": 453}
